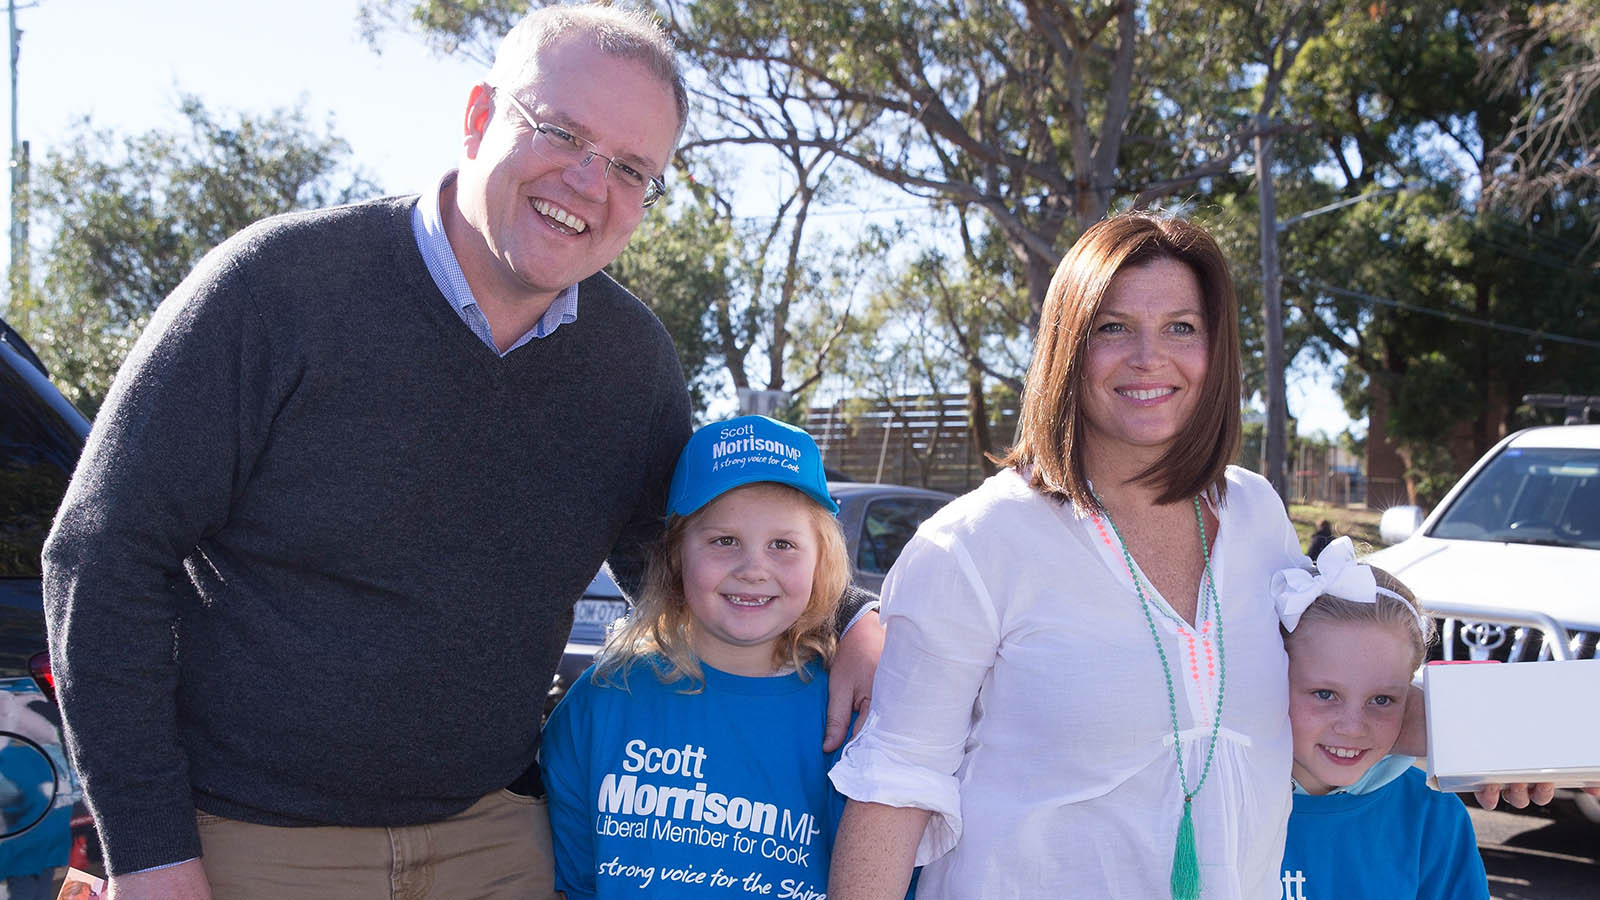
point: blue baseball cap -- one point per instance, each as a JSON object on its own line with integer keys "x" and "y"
{"x": 746, "y": 450}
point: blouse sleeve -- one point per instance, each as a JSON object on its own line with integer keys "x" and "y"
{"x": 942, "y": 634}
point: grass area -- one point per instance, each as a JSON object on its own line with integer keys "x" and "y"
{"x": 1358, "y": 522}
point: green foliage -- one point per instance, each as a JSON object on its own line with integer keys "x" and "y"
{"x": 129, "y": 217}
{"x": 680, "y": 260}
{"x": 472, "y": 28}
{"x": 1393, "y": 93}
{"x": 1252, "y": 437}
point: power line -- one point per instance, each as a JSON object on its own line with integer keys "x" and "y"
{"x": 1451, "y": 316}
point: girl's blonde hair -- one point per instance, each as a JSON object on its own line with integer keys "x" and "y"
{"x": 660, "y": 627}
{"x": 1396, "y": 606}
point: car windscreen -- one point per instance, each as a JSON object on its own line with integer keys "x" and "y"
{"x": 1534, "y": 495}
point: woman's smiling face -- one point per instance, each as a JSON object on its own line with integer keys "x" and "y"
{"x": 1148, "y": 351}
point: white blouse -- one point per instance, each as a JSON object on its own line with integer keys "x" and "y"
{"x": 1021, "y": 699}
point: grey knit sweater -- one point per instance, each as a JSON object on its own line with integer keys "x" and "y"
{"x": 318, "y": 561}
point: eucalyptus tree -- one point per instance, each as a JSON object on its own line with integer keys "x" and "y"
{"x": 682, "y": 259}
{"x": 1037, "y": 115}
{"x": 1550, "y": 155}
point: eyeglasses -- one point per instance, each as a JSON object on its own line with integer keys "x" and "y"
{"x": 562, "y": 146}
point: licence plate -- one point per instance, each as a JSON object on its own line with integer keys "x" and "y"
{"x": 598, "y": 613}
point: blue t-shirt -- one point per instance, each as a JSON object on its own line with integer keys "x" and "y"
{"x": 658, "y": 793}
{"x": 1402, "y": 840}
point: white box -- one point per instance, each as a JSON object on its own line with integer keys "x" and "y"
{"x": 1493, "y": 723}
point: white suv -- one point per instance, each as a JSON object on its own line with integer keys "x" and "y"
{"x": 1521, "y": 530}
{"x": 1518, "y": 534}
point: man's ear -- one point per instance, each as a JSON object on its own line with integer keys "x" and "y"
{"x": 476, "y": 121}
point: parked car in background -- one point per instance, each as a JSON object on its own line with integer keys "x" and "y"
{"x": 877, "y": 519}
{"x": 1519, "y": 532}
{"x": 42, "y": 817}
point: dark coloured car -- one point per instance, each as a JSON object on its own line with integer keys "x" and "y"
{"x": 42, "y": 817}
{"x": 878, "y": 520}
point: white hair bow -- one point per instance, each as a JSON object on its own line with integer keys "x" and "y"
{"x": 1338, "y": 575}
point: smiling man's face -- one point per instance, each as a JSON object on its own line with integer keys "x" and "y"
{"x": 537, "y": 226}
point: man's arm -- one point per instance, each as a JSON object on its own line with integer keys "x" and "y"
{"x": 668, "y": 433}
{"x": 158, "y": 474}
{"x": 850, "y": 676}
{"x": 184, "y": 881}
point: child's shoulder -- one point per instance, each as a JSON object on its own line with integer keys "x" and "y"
{"x": 1414, "y": 783}
{"x": 648, "y": 674}
{"x": 1411, "y": 791}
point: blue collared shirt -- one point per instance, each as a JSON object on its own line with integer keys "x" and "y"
{"x": 427, "y": 226}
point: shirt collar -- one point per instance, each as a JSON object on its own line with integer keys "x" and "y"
{"x": 427, "y": 227}
{"x": 1382, "y": 772}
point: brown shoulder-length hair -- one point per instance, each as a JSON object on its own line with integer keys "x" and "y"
{"x": 1050, "y": 432}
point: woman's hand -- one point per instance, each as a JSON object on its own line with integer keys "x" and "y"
{"x": 1519, "y": 794}
{"x": 1539, "y": 793}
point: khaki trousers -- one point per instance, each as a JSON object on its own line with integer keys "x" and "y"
{"x": 498, "y": 849}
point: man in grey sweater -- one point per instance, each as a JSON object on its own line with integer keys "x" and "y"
{"x": 317, "y": 565}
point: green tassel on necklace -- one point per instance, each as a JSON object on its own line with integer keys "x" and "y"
{"x": 1185, "y": 861}
{"x": 1185, "y": 865}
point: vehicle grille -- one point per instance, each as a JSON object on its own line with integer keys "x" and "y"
{"x": 1463, "y": 639}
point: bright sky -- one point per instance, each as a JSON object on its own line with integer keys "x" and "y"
{"x": 125, "y": 63}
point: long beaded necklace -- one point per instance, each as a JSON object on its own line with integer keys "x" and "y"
{"x": 1185, "y": 881}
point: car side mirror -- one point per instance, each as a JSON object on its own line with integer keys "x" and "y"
{"x": 1399, "y": 523}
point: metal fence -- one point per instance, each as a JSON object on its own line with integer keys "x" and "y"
{"x": 927, "y": 441}
{"x": 922, "y": 440}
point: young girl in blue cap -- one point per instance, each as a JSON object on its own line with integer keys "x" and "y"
{"x": 1365, "y": 824}
{"x": 687, "y": 762}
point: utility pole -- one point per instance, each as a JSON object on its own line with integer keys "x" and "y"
{"x": 1275, "y": 453}
{"x": 18, "y": 280}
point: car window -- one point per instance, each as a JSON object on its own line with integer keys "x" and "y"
{"x": 1530, "y": 495}
{"x": 38, "y": 449}
{"x": 886, "y": 527}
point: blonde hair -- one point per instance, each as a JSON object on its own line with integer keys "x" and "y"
{"x": 660, "y": 629}
{"x": 1050, "y": 432}
{"x": 1395, "y": 607}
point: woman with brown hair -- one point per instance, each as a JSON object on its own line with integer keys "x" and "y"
{"x": 1083, "y": 689}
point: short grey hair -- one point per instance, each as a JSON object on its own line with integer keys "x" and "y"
{"x": 620, "y": 31}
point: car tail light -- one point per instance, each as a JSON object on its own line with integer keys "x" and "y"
{"x": 39, "y": 668}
